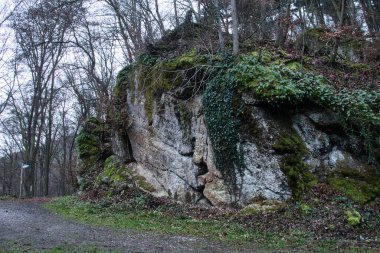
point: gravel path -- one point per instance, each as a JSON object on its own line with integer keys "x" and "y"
{"x": 26, "y": 225}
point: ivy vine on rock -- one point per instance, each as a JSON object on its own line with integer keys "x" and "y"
{"x": 223, "y": 121}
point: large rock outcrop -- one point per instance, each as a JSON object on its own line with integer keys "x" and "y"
{"x": 214, "y": 130}
{"x": 172, "y": 151}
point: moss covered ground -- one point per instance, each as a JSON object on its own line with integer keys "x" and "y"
{"x": 361, "y": 187}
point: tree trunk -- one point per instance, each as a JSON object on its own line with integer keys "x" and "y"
{"x": 175, "y": 13}
{"x": 319, "y": 13}
{"x": 49, "y": 140}
{"x": 159, "y": 19}
{"x": 216, "y": 12}
{"x": 370, "y": 17}
{"x": 235, "y": 28}
{"x": 341, "y": 23}
{"x": 283, "y": 23}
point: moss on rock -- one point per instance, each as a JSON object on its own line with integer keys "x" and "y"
{"x": 143, "y": 183}
{"x": 184, "y": 116}
{"x": 88, "y": 145}
{"x": 297, "y": 171}
{"x": 186, "y": 60}
{"x": 156, "y": 75}
{"x": 113, "y": 170}
{"x": 361, "y": 187}
{"x": 91, "y": 143}
{"x": 272, "y": 81}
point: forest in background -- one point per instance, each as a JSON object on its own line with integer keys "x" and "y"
{"x": 59, "y": 60}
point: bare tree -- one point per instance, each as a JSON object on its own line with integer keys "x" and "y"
{"x": 41, "y": 28}
{"x": 95, "y": 65}
{"x": 5, "y": 83}
{"x": 138, "y": 22}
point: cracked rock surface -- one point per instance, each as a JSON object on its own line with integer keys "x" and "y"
{"x": 172, "y": 151}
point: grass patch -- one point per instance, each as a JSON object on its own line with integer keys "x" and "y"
{"x": 6, "y": 197}
{"x": 119, "y": 216}
{"x": 162, "y": 220}
{"x": 59, "y": 249}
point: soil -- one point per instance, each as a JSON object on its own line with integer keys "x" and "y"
{"x": 26, "y": 225}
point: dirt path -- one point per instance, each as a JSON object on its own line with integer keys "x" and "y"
{"x": 26, "y": 225}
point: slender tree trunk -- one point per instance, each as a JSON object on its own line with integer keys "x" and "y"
{"x": 3, "y": 185}
{"x": 47, "y": 162}
{"x": 31, "y": 141}
{"x": 376, "y": 14}
{"x": 216, "y": 13}
{"x": 283, "y": 23}
{"x": 235, "y": 28}
{"x": 29, "y": 171}
{"x": 319, "y": 11}
{"x": 336, "y": 15}
{"x": 159, "y": 19}
{"x": 302, "y": 31}
{"x": 62, "y": 171}
{"x": 369, "y": 17}
{"x": 175, "y": 13}
{"x": 341, "y": 23}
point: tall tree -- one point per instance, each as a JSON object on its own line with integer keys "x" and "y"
{"x": 41, "y": 29}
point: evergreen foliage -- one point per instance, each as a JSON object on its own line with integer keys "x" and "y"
{"x": 277, "y": 85}
{"x": 222, "y": 109}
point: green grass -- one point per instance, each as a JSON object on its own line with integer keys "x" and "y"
{"x": 59, "y": 249}
{"x": 148, "y": 220}
{"x": 117, "y": 216}
{"x": 6, "y": 197}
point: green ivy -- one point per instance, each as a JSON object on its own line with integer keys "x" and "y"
{"x": 277, "y": 85}
{"x": 147, "y": 59}
{"x": 223, "y": 109}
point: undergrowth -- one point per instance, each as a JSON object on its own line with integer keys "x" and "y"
{"x": 281, "y": 230}
{"x": 7, "y": 197}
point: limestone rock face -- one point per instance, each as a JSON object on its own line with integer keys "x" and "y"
{"x": 328, "y": 147}
{"x": 172, "y": 151}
